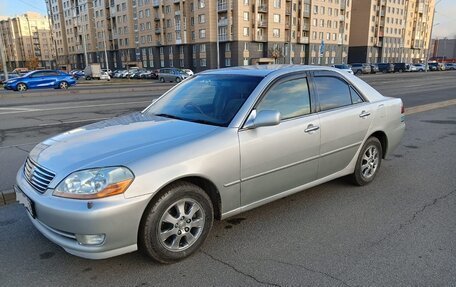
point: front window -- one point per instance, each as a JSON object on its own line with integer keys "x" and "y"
{"x": 207, "y": 99}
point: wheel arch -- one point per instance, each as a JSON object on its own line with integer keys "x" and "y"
{"x": 205, "y": 184}
{"x": 381, "y": 136}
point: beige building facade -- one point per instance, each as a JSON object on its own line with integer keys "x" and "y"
{"x": 27, "y": 41}
{"x": 191, "y": 33}
{"x": 390, "y": 30}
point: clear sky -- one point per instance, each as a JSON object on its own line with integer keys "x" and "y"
{"x": 445, "y": 16}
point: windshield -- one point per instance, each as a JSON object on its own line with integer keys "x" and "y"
{"x": 207, "y": 99}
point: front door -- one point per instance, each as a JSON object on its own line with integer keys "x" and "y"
{"x": 278, "y": 158}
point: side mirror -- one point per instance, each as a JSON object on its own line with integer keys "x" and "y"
{"x": 264, "y": 118}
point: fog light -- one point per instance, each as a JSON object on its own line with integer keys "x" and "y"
{"x": 90, "y": 239}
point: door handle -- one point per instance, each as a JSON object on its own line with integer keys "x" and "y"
{"x": 311, "y": 128}
{"x": 364, "y": 114}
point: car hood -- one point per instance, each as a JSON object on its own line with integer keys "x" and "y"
{"x": 117, "y": 141}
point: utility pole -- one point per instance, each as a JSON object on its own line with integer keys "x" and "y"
{"x": 2, "y": 54}
{"x": 105, "y": 51}
{"x": 430, "y": 39}
{"x": 218, "y": 40}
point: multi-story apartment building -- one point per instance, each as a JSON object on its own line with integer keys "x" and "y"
{"x": 390, "y": 30}
{"x": 27, "y": 41}
{"x": 191, "y": 33}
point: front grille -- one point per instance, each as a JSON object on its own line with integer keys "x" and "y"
{"x": 37, "y": 176}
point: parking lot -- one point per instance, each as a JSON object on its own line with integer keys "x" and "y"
{"x": 399, "y": 230}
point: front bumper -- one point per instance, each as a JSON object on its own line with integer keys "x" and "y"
{"x": 61, "y": 219}
{"x": 9, "y": 86}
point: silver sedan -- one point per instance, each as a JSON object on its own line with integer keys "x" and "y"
{"x": 218, "y": 144}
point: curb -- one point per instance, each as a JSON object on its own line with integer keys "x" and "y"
{"x": 7, "y": 197}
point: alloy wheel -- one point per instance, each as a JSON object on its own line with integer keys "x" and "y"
{"x": 181, "y": 224}
{"x": 369, "y": 162}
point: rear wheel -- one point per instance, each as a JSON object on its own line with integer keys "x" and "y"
{"x": 178, "y": 80}
{"x": 358, "y": 72}
{"x": 162, "y": 79}
{"x": 368, "y": 162}
{"x": 176, "y": 224}
{"x": 21, "y": 87}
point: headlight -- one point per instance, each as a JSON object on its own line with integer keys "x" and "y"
{"x": 95, "y": 183}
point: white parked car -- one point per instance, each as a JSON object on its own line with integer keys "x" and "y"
{"x": 344, "y": 67}
{"x": 105, "y": 76}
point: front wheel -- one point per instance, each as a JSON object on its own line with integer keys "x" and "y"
{"x": 63, "y": 85}
{"x": 21, "y": 87}
{"x": 176, "y": 224}
{"x": 178, "y": 80}
{"x": 368, "y": 162}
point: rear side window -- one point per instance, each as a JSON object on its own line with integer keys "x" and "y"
{"x": 290, "y": 98}
{"x": 332, "y": 93}
{"x": 355, "y": 97}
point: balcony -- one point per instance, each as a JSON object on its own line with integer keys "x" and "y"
{"x": 178, "y": 26}
{"x": 341, "y": 18}
{"x": 176, "y": 1}
{"x": 157, "y": 17}
{"x": 223, "y": 22}
{"x": 156, "y": 3}
{"x": 158, "y": 43}
{"x": 177, "y": 12}
{"x": 158, "y": 30}
{"x": 262, "y": 24}
{"x": 303, "y": 40}
{"x": 306, "y": 14}
{"x": 343, "y": 4}
{"x": 287, "y": 26}
{"x": 222, "y": 7}
{"x": 288, "y": 11}
{"x": 224, "y": 38}
{"x": 261, "y": 38}
{"x": 306, "y": 26}
{"x": 263, "y": 8}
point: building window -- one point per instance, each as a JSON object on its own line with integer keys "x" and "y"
{"x": 276, "y": 18}
{"x": 246, "y": 16}
{"x": 246, "y": 31}
{"x": 227, "y": 62}
{"x": 202, "y": 18}
{"x": 227, "y": 47}
{"x": 202, "y": 33}
{"x": 201, "y": 4}
{"x": 277, "y": 3}
{"x": 276, "y": 33}
{"x": 203, "y": 62}
{"x": 203, "y": 48}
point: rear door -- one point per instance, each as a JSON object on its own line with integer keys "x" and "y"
{"x": 345, "y": 117}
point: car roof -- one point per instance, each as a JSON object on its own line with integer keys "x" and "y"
{"x": 265, "y": 70}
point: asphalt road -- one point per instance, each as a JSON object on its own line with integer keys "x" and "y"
{"x": 399, "y": 230}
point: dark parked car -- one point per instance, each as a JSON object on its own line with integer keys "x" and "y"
{"x": 434, "y": 67}
{"x": 41, "y": 79}
{"x": 401, "y": 67}
{"x": 386, "y": 67}
{"x": 360, "y": 68}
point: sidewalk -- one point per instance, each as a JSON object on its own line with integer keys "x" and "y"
{"x": 7, "y": 197}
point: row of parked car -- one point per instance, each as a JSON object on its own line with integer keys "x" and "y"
{"x": 366, "y": 68}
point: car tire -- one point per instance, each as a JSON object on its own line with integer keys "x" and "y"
{"x": 21, "y": 87}
{"x": 358, "y": 72}
{"x": 176, "y": 223}
{"x": 88, "y": 78}
{"x": 178, "y": 80}
{"x": 400, "y": 70}
{"x": 162, "y": 79}
{"x": 63, "y": 85}
{"x": 368, "y": 163}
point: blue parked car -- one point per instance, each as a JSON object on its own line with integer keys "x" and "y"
{"x": 40, "y": 79}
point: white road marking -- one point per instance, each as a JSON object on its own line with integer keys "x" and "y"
{"x": 71, "y": 108}
{"x": 18, "y": 109}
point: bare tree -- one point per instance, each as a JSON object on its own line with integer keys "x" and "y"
{"x": 276, "y": 53}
